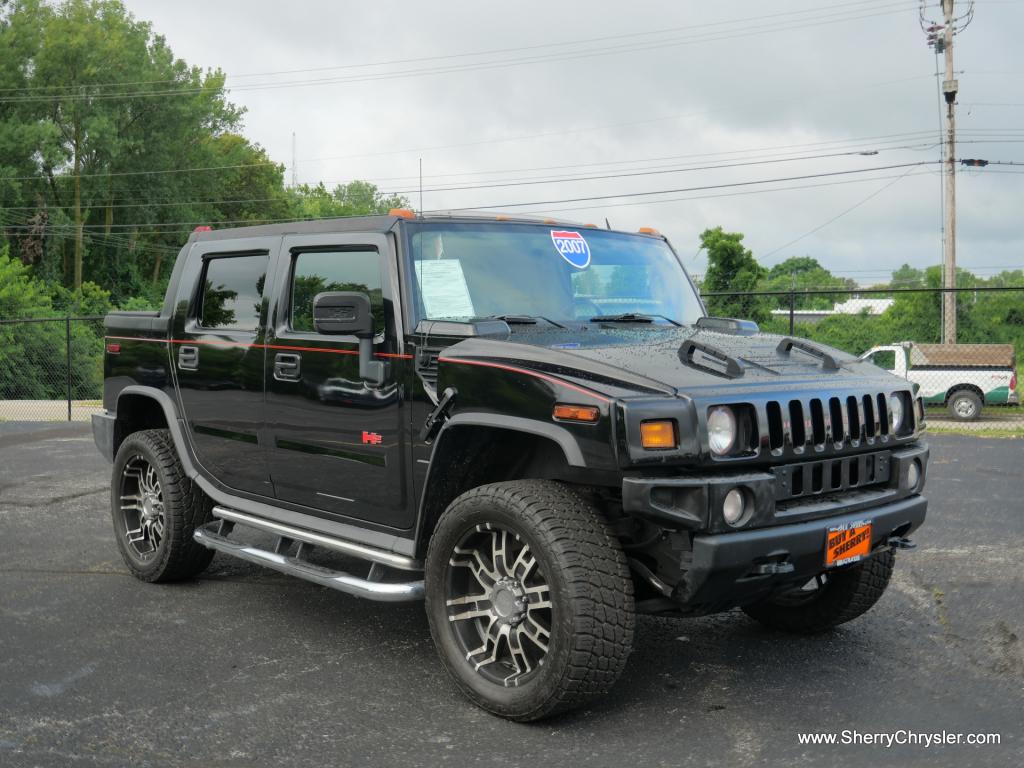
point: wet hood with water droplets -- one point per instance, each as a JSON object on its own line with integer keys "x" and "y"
{"x": 647, "y": 359}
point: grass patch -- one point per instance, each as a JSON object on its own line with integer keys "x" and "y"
{"x": 1017, "y": 433}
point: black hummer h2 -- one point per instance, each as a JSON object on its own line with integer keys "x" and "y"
{"x": 534, "y": 426}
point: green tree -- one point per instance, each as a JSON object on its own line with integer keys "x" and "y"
{"x": 732, "y": 268}
{"x": 113, "y": 115}
{"x": 907, "y": 277}
{"x": 804, "y": 274}
{"x": 357, "y": 198}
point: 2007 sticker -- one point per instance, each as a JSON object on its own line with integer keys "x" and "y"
{"x": 573, "y": 247}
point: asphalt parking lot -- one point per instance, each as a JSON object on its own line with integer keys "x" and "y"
{"x": 246, "y": 667}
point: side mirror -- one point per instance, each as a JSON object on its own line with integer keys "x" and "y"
{"x": 343, "y": 312}
{"x": 349, "y": 313}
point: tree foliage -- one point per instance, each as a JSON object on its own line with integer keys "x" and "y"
{"x": 112, "y": 150}
{"x": 733, "y": 268}
{"x": 801, "y": 274}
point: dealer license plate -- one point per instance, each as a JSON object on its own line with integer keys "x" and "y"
{"x": 845, "y": 544}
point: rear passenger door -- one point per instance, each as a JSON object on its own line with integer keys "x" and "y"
{"x": 337, "y": 444}
{"x": 218, "y": 358}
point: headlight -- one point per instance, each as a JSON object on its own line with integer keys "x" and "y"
{"x": 896, "y": 413}
{"x": 721, "y": 430}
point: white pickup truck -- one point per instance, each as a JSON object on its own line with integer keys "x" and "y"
{"x": 962, "y": 377}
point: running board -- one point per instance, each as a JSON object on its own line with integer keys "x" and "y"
{"x": 361, "y": 551}
{"x": 213, "y": 535}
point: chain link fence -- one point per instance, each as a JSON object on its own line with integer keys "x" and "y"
{"x": 971, "y": 385}
{"x": 51, "y": 368}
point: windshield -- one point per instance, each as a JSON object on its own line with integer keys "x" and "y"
{"x": 558, "y": 273}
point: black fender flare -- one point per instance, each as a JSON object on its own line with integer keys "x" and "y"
{"x": 556, "y": 434}
{"x": 174, "y": 422}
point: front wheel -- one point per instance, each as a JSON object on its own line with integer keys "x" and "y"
{"x": 965, "y": 405}
{"x": 829, "y": 599}
{"x": 529, "y": 598}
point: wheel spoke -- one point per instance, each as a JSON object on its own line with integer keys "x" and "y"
{"x": 499, "y": 544}
{"x": 525, "y": 561}
{"x": 484, "y": 575}
{"x": 538, "y": 597}
{"x": 492, "y": 639}
{"x": 535, "y": 632}
{"x": 519, "y": 659}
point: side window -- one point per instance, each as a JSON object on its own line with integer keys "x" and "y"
{"x": 885, "y": 358}
{"x": 315, "y": 272}
{"x": 233, "y": 292}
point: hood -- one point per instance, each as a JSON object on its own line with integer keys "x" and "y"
{"x": 658, "y": 360}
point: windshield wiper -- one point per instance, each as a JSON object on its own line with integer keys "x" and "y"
{"x": 631, "y": 317}
{"x": 524, "y": 319}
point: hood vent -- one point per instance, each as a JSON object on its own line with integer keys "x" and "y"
{"x": 828, "y": 361}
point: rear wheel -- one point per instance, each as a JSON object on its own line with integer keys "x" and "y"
{"x": 964, "y": 405}
{"x": 156, "y": 508}
{"x": 529, "y": 598}
{"x": 829, "y": 599}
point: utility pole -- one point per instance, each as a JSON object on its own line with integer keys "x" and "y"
{"x": 949, "y": 89}
{"x": 940, "y": 36}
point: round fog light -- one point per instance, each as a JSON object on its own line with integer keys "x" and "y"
{"x": 734, "y": 507}
{"x": 913, "y": 474}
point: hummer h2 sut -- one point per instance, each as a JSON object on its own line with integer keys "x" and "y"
{"x": 533, "y": 426}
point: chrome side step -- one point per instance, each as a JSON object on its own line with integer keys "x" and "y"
{"x": 328, "y": 542}
{"x": 214, "y": 535}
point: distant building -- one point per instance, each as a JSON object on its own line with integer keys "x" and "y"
{"x": 851, "y": 307}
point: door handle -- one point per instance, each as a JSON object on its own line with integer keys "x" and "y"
{"x": 287, "y": 366}
{"x": 188, "y": 358}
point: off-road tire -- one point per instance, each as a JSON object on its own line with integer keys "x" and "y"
{"x": 591, "y": 594}
{"x": 848, "y": 593}
{"x": 964, "y": 405}
{"x": 185, "y": 508}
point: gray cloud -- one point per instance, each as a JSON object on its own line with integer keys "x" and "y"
{"x": 820, "y": 83}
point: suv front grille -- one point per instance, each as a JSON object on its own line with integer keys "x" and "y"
{"x": 798, "y": 483}
{"x": 818, "y": 422}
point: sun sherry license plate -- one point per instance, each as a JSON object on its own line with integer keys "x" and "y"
{"x": 848, "y": 543}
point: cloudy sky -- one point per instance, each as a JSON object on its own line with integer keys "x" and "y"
{"x": 529, "y": 102}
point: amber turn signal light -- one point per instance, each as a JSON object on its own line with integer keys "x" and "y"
{"x": 659, "y": 434}
{"x": 585, "y": 413}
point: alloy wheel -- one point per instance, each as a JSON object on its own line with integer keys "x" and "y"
{"x": 499, "y": 605}
{"x": 142, "y": 507}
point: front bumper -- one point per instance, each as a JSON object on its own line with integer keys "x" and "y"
{"x": 782, "y": 542}
{"x": 728, "y": 569}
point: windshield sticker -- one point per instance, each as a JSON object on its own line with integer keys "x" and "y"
{"x": 573, "y": 248}
{"x": 443, "y": 289}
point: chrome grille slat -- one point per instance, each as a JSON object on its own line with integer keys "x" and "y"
{"x": 826, "y": 424}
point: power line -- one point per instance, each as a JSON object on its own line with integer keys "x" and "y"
{"x": 852, "y": 208}
{"x": 846, "y": 8}
{"x": 510, "y": 183}
{"x": 832, "y": 18}
{"x": 699, "y": 188}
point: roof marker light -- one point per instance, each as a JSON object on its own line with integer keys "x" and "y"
{"x": 402, "y": 213}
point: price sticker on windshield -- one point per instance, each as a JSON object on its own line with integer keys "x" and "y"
{"x": 573, "y": 247}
